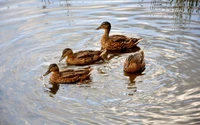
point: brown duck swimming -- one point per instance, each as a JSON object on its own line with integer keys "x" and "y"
{"x": 135, "y": 63}
{"x": 116, "y": 42}
{"x": 67, "y": 76}
{"x": 84, "y": 57}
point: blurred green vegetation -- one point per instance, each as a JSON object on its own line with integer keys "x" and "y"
{"x": 182, "y": 9}
{"x": 189, "y": 3}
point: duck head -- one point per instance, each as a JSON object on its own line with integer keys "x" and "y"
{"x": 66, "y": 52}
{"x": 104, "y": 25}
{"x": 52, "y": 68}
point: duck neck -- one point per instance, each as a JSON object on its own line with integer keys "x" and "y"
{"x": 105, "y": 36}
{"x": 106, "y": 33}
{"x": 55, "y": 75}
{"x": 56, "y": 72}
{"x": 71, "y": 55}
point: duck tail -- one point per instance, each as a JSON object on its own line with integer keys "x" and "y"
{"x": 137, "y": 40}
{"x": 89, "y": 73}
{"x": 103, "y": 52}
{"x": 89, "y": 69}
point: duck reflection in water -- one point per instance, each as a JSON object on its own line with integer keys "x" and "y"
{"x": 132, "y": 77}
{"x": 53, "y": 89}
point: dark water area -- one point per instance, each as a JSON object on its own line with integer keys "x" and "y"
{"x": 33, "y": 34}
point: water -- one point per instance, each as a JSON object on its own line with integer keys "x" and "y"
{"x": 33, "y": 34}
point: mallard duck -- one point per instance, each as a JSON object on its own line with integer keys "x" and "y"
{"x": 135, "y": 63}
{"x": 67, "y": 76}
{"x": 115, "y": 42}
{"x": 84, "y": 57}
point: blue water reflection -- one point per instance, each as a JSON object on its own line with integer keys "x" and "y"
{"x": 34, "y": 33}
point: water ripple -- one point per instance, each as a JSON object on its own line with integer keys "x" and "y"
{"x": 33, "y": 35}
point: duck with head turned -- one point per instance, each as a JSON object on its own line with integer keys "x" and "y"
{"x": 84, "y": 57}
{"x": 67, "y": 76}
{"x": 115, "y": 42}
{"x": 135, "y": 62}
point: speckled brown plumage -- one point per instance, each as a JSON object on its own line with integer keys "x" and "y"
{"x": 116, "y": 42}
{"x": 135, "y": 62}
{"x": 84, "y": 57}
{"x": 67, "y": 76}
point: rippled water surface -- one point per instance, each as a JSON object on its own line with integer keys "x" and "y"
{"x": 33, "y": 34}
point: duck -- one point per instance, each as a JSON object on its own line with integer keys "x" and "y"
{"x": 135, "y": 62}
{"x": 68, "y": 75}
{"x": 84, "y": 57}
{"x": 115, "y": 42}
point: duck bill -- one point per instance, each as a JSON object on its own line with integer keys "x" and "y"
{"x": 61, "y": 58}
{"x": 98, "y": 28}
{"x": 48, "y": 71}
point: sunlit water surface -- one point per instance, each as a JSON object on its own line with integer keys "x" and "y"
{"x": 33, "y": 34}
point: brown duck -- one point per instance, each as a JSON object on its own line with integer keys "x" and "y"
{"x": 84, "y": 57}
{"x": 135, "y": 63}
{"x": 67, "y": 76}
{"x": 115, "y": 42}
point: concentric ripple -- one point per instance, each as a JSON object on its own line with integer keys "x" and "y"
{"x": 34, "y": 33}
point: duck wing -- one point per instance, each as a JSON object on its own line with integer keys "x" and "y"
{"x": 73, "y": 73}
{"x": 122, "y": 38}
{"x": 137, "y": 58}
{"x": 87, "y": 53}
{"x": 119, "y": 38}
{"x": 67, "y": 74}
